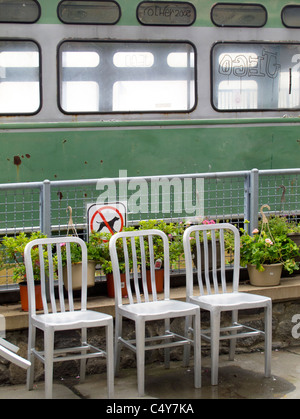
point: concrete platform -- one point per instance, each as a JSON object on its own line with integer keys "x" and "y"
{"x": 241, "y": 379}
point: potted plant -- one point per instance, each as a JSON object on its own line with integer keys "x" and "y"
{"x": 265, "y": 254}
{"x": 280, "y": 224}
{"x": 94, "y": 249}
{"x": 14, "y": 255}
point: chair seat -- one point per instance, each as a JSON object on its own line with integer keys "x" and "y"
{"x": 71, "y": 319}
{"x": 231, "y": 300}
{"x": 158, "y": 309}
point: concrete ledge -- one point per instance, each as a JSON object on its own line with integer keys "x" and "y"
{"x": 289, "y": 289}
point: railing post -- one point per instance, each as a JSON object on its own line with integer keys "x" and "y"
{"x": 247, "y": 198}
{"x": 254, "y": 190}
{"x": 45, "y": 212}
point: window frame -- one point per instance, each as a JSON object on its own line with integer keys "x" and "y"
{"x": 288, "y": 6}
{"x": 88, "y": 23}
{"x": 26, "y": 22}
{"x": 296, "y": 109}
{"x": 39, "y": 76}
{"x": 240, "y": 4}
{"x": 167, "y": 24}
{"x": 111, "y": 111}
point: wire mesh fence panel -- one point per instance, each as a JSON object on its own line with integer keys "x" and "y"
{"x": 56, "y": 207}
{"x": 281, "y": 191}
{"x": 20, "y": 210}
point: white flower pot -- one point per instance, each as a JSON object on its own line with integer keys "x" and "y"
{"x": 268, "y": 278}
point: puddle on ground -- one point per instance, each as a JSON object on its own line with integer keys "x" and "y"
{"x": 234, "y": 383}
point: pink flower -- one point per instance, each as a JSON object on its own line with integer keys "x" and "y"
{"x": 269, "y": 241}
{"x": 255, "y": 231}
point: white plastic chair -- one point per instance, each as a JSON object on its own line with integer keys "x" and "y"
{"x": 218, "y": 296}
{"x": 145, "y": 307}
{"x": 60, "y": 315}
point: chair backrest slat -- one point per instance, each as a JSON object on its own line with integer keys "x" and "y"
{"x": 51, "y": 278}
{"x": 60, "y": 278}
{"x": 143, "y": 268}
{"x": 42, "y": 278}
{"x": 135, "y": 270}
{"x": 69, "y": 277}
{"x": 127, "y": 271}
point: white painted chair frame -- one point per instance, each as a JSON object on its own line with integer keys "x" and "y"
{"x": 144, "y": 308}
{"x": 59, "y": 315}
{"x": 217, "y": 298}
{"x": 9, "y": 352}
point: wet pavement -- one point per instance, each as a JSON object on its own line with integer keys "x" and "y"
{"x": 242, "y": 378}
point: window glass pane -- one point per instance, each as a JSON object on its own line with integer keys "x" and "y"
{"x": 19, "y": 77}
{"x": 133, "y": 59}
{"x": 128, "y": 77}
{"x": 291, "y": 16}
{"x": 89, "y": 12}
{"x": 232, "y": 14}
{"x": 256, "y": 76}
{"x": 19, "y": 11}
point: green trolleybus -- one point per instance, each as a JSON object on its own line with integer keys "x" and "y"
{"x": 89, "y": 88}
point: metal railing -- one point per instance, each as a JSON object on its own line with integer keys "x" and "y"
{"x": 225, "y": 196}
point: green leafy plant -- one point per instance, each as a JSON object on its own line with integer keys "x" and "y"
{"x": 264, "y": 247}
{"x": 13, "y": 253}
{"x": 95, "y": 248}
{"x": 104, "y": 258}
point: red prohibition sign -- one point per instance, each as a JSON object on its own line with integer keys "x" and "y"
{"x": 99, "y": 211}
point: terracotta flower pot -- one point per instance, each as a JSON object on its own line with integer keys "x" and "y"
{"x": 111, "y": 288}
{"x": 268, "y": 278}
{"x": 159, "y": 280}
{"x": 24, "y": 296}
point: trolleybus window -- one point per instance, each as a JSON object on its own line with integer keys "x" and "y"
{"x": 19, "y": 11}
{"x": 164, "y": 13}
{"x": 233, "y": 14}
{"x": 89, "y": 12}
{"x": 291, "y": 16}
{"x": 126, "y": 77}
{"x": 19, "y": 77}
{"x": 255, "y": 76}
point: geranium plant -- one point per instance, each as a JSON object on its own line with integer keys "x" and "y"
{"x": 264, "y": 248}
{"x": 14, "y": 254}
{"x": 96, "y": 245}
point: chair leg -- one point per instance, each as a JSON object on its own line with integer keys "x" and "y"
{"x": 140, "y": 355}
{"x": 268, "y": 339}
{"x": 215, "y": 341}
{"x": 187, "y": 348}
{"x": 49, "y": 350}
{"x": 197, "y": 351}
{"x": 110, "y": 359}
{"x": 83, "y": 361}
{"x": 31, "y": 357}
{"x": 118, "y": 333}
{"x": 232, "y": 345}
{"x": 167, "y": 350}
